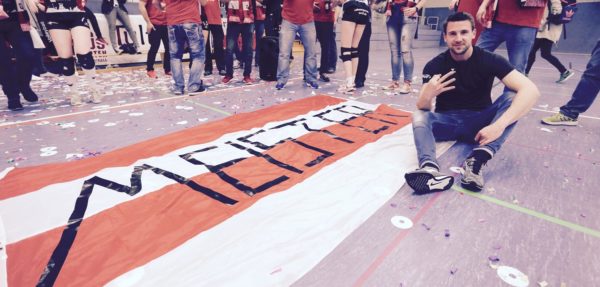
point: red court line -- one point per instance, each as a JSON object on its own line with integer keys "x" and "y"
{"x": 390, "y": 247}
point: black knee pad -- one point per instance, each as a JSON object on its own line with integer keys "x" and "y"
{"x": 67, "y": 66}
{"x": 86, "y": 61}
{"x": 345, "y": 54}
{"x": 354, "y": 52}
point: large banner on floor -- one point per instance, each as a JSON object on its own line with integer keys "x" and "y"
{"x": 256, "y": 199}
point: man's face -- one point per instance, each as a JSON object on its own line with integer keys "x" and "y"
{"x": 459, "y": 36}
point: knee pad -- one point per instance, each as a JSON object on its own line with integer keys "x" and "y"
{"x": 345, "y": 54}
{"x": 67, "y": 66}
{"x": 354, "y": 52}
{"x": 86, "y": 61}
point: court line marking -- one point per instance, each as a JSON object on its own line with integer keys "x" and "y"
{"x": 530, "y": 212}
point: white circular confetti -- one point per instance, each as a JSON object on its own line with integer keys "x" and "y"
{"x": 136, "y": 114}
{"x": 124, "y": 111}
{"x": 457, "y": 169}
{"x": 513, "y": 276}
{"x": 217, "y": 103}
{"x": 43, "y": 123}
{"x": 122, "y": 102}
{"x": 93, "y": 120}
{"x": 105, "y": 112}
{"x": 402, "y": 222}
{"x": 182, "y": 122}
{"x": 110, "y": 124}
{"x": 203, "y": 119}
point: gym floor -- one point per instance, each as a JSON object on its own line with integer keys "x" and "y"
{"x": 538, "y": 212}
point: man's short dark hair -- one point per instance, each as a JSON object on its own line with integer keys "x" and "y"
{"x": 457, "y": 17}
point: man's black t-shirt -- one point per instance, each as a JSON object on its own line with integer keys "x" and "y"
{"x": 474, "y": 79}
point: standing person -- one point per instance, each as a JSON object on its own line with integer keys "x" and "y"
{"x": 512, "y": 24}
{"x": 363, "y": 56}
{"x": 584, "y": 95}
{"x": 240, "y": 20}
{"x": 297, "y": 18}
{"x": 259, "y": 30}
{"x": 113, "y": 9}
{"x": 15, "y": 77}
{"x": 471, "y": 7}
{"x": 156, "y": 28}
{"x": 183, "y": 25}
{"x": 401, "y": 25}
{"x": 460, "y": 81}
{"x": 69, "y": 29}
{"x": 324, "y": 13}
{"x": 92, "y": 18}
{"x": 547, "y": 35}
{"x": 356, "y": 16}
{"x": 273, "y": 17}
{"x": 212, "y": 9}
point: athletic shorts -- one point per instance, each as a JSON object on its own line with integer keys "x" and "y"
{"x": 357, "y": 12}
{"x": 66, "y": 20}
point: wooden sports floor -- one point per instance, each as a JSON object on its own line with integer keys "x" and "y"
{"x": 536, "y": 221}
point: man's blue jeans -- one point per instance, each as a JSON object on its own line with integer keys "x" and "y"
{"x": 178, "y": 35}
{"x": 308, "y": 36}
{"x": 460, "y": 125}
{"x": 401, "y": 31}
{"x": 587, "y": 89}
{"x": 519, "y": 41}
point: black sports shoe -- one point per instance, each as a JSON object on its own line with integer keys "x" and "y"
{"x": 222, "y": 72}
{"x": 199, "y": 90}
{"x": 15, "y": 106}
{"x": 207, "y": 73}
{"x": 359, "y": 84}
{"x": 426, "y": 180}
{"x": 324, "y": 78}
{"x": 29, "y": 95}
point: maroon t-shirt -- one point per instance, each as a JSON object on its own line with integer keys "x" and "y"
{"x": 182, "y": 11}
{"x": 298, "y": 11}
{"x": 213, "y": 12}
{"x": 326, "y": 11}
{"x": 156, "y": 14}
{"x": 509, "y": 12}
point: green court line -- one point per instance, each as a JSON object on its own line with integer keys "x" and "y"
{"x": 530, "y": 212}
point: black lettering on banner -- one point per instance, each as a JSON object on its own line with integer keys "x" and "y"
{"x": 59, "y": 255}
{"x": 365, "y": 114}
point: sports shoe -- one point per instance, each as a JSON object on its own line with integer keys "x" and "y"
{"x": 324, "y": 78}
{"x": 95, "y": 97}
{"x": 279, "y": 86}
{"x": 427, "y": 179}
{"x": 247, "y": 80}
{"x": 29, "y": 95}
{"x": 222, "y": 72}
{"x": 226, "y": 79}
{"x": 168, "y": 73}
{"x": 177, "y": 92}
{"x": 15, "y": 106}
{"x": 197, "y": 91}
{"x": 405, "y": 89}
{"x": 565, "y": 76}
{"x": 359, "y": 84}
{"x": 151, "y": 74}
{"x": 313, "y": 85}
{"x": 207, "y": 73}
{"x": 392, "y": 87}
{"x": 346, "y": 89}
{"x": 472, "y": 178}
{"x": 559, "y": 119}
{"x": 75, "y": 98}
{"x": 330, "y": 70}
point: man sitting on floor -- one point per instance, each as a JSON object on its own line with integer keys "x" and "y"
{"x": 460, "y": 82}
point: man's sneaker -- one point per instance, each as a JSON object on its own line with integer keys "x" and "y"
{"x": 330, "y": 70}
{"x": 199, "y": 90}
{"x": 559, "y": 119}
{"x": 405, "y": 89}
{"x": 168, "y": 73}
{"x": 177, "y": 92}
{"x": 222, "y": 72}
{"x": 428, "y": 179}
{"x": 279, "y": 86}
{"x": 15, "y": 106}
{"x": 75, "y": 98}
{"x": 247, "y": 80}
{"x": 313, "y": 85}
{"x": 151, "y": 74}
{"x": 324, "y": 78}
{"x": 472, "y": 178}
{"x": 359, "y": 84}
{"x": 565, "y": 76}
{"x": 95, "y": 97}
{"x": 226, "y": 79}
{"x": 207, "y": 73}
{"x": 392, "y": 87}
{"x": 29, "y": 95}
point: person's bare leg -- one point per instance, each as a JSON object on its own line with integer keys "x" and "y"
{"x": 346, "y": 48}
{"x": 358, "y": 31}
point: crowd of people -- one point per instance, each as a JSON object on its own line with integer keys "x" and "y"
{"x": 455, "y": 102}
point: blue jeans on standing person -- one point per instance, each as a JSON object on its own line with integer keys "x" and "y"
{"x": 401, "y": 31}
{"x": 519, "y": 40}
{"x": 233, "y": 32}
{"x": 460, "y": 125}
{"x": 308, "y": 36}
{"x": 587, "y": 89}
{"x": 178, "y": 35}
